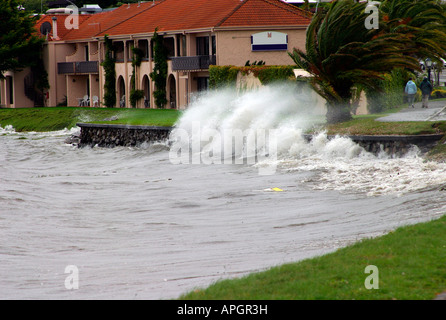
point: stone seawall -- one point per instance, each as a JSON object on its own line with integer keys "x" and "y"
{"x": 393, "y": 145}
{"x": 397, "y": 145}
{"x": 113, "y": 135}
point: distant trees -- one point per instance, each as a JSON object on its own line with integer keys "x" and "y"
{"x": 38, "y": 6}
{"x": 19, "y": 47}
{"x": 34, "y": 6}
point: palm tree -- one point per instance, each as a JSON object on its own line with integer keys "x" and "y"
{"x": 341, "y": 52}
{"x": 424, "y": 24}
{"x": 423, "y": 21}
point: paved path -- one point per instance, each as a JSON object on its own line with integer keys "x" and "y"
{"x": 435, "y": 112}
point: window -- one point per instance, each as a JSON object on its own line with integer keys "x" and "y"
{"x": 144, "y": 46}
{"x": 269, "y": 41}
{"x": 10, "y": 87}
{"x": 183, "y": 45}
{"x": 202, "y": 83}
{"x": 202, "y": 46}
{"x": 119, "y": 51}
{"x": 169, "y": 43}
{"x": 87, "y": 54}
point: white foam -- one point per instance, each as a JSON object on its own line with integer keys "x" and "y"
{"x": 338, "y": 163}
{"x": 9, "y": 129}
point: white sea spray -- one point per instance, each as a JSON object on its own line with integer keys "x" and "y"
{"x": 340, "y": 163}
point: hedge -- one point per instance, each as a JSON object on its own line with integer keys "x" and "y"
{"x": 438, "y": 94}
{"x": 223, "y": 76}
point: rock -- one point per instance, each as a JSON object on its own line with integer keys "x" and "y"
{"x": 113, "y": 118}
{"x": 74, "y": 139}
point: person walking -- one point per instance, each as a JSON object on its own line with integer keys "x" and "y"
{"x": 411, "y": 90}
{"x": 426, "y": 90}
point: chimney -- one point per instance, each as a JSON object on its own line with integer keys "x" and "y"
{"x": 55, "y": 37}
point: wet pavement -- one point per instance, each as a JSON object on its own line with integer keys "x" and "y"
{"x": 435, "y": 112}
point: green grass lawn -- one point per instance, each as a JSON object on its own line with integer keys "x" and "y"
{"x": 59, "y": 118}
{"x": 366, "y": 125}
{"x": 147, "y": 117}
{"x": 410, "y": 265}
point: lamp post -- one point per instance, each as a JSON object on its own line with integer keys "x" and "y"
{"x": 428, "y": 65}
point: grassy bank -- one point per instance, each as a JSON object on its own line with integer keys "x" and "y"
{"x": 410, "y": 261}
{"x": 367, "y": 125}
{"x": 50, "y": 119}
{"x": 59, "y": 118}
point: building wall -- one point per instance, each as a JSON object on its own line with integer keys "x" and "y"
{"x": 234, "y": 47}
{"x": 145, "y": 83}
{"x": 14, "y": 83}
{"x": 53, "y": 54}
{"x": 77, "y": 52}
{"x": 76, "y": 89}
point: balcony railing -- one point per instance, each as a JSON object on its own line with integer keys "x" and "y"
{"x": 192, "y": 63}
{"x": 78, "y": 67}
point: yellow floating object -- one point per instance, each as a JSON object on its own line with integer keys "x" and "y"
{"x": 276, "y": 189}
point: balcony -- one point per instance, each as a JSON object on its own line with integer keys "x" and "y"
{"x": 80, "y": 67}
{"x": 192, "y": 63}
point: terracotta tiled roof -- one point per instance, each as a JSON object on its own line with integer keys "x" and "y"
{"x": 173, "y": 15}
{"x": 266, "y": 13}
{"x": 62, "y": 31}
{"x": 99, "y": 22}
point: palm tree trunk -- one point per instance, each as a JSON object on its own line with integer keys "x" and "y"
{"x": 338, "y": 112}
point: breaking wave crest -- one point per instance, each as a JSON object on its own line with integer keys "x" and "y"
{"x": 335, "y": 164}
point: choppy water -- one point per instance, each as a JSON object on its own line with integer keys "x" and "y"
{"x": 139, "y": 227}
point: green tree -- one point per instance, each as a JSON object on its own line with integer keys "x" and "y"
{"x": 110, "y": 74}
{"x": 35, "y": 6}
{"x": 422, "y": 21}
{"x": 342, "y": 53}
{"x": 19, "y": 46}
{"x": 388, "y": 92}
{"x": 159, "y": 73}
{"x": 135, "y": 94}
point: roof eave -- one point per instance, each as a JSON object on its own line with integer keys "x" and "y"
{"x": 263, "y": 27}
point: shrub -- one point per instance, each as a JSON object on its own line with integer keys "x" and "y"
{"x": 110, "y": 74}
{"x": 438, "y": 94}
{"x": 390, "y": 91}
{"x": 159, "y": 73}
{"x": 135, "y": 96}
{"x": 222, "y": 76}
